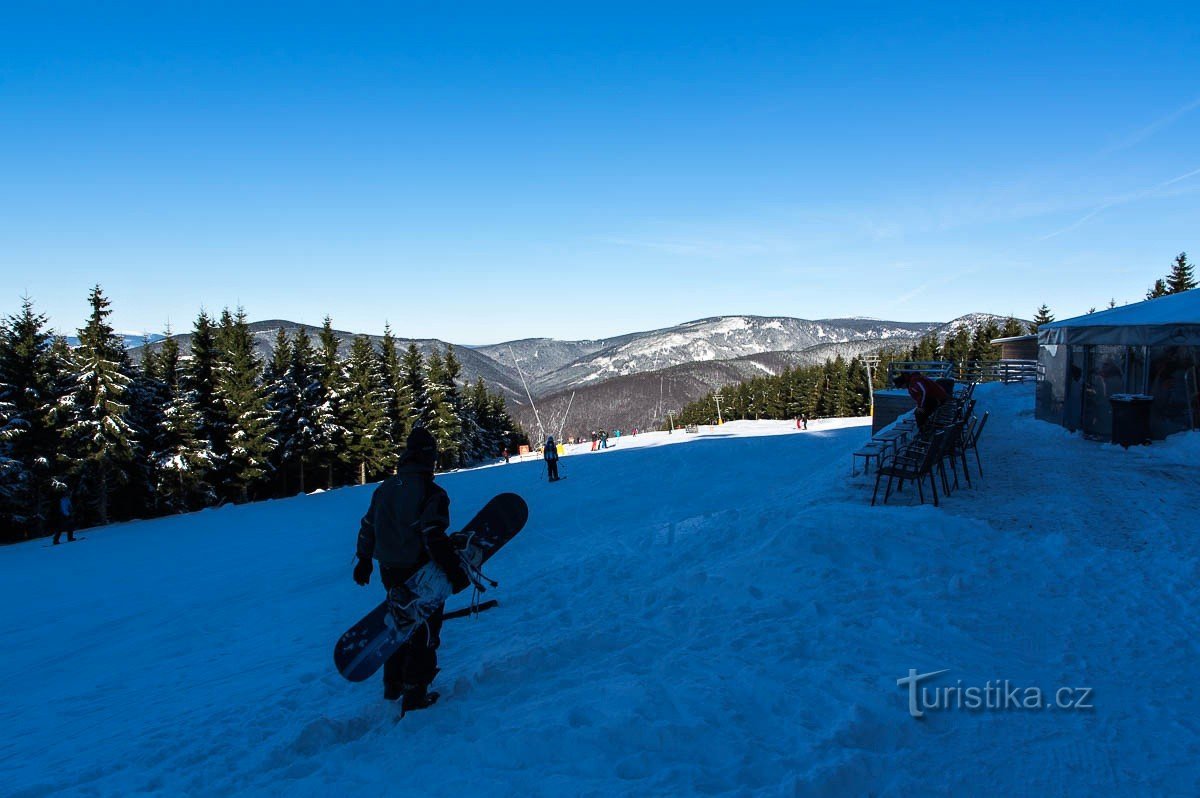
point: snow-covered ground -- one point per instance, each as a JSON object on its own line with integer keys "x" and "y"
{"x": 722, "y": 615}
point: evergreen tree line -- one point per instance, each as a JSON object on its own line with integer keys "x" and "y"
{"x": 179, "y": 432}
{"x": 1180, "y": 278}
{"x": 839, "y": 387}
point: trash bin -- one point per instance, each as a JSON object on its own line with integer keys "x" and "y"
{"x": 1130, "y": 418}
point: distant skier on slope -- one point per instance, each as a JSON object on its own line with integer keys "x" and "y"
{"x": 928, "y": 395}
{"x": 551, "y": 455}
{"x": 404, "y": 528}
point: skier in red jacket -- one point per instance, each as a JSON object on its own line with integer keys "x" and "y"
{"x": 928, "y": 395}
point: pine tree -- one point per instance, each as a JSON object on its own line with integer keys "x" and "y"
{"x": 982, "y": 350}
{"x": 415, "y": 396}
{"x": 149, "y": 397}
{"x": 99, "y": 425}
{"x": 244, "y": 401}
{"x": 1158, "y": 289}
{"x": 183, "y": 459}
{"x": 29, "y": 436}
{"x": 368, "y": 446}
{"x": 283, "y": 402}
{"x": 168, "y": 362}
{"x": 443, "y": 417}
{"x": 313, "y": 441}
{"x": 395, "y": 388}
{"x": 1181, "y": 277}
{"x": 1012, "y": 328}
{"x": 200, "y": 380}
{"x": 333, "y": 418}
{"x": 1043, "y": 316}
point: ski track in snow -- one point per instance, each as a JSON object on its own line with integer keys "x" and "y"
{"x": 724, "y": 615}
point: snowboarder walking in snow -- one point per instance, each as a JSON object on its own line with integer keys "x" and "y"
{"x": 404, "y": 528}
{"x": 551, "y": 455}
{"x": 66, "y": 521}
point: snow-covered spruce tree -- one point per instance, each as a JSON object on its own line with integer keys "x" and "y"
{"x": 199, "y": 380}
{"x": 29, "y": 436}
{"x": 368, "y": 448}
{"x": 102, "y": 437}
{"x": 182, "y": 457}
{"x": 149, "y": 397}
{"x": 395, "y": 389}
{"x": 332, "y": 388}
{"x": 1182, "y": 278}
{"x": 506, "y": 430}
{"x": 312, "y": 439}
{"x": 443, "y": 416}
{"x": 414, "y": 399}
{"x": 283, "y": 402}
{"x": 244, "y": 401}
{"x": 168, "y": 362}
{"x": 480, "y": 433}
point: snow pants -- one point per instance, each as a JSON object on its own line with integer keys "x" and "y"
{"x": 415, "y": 663}
{"x": 552, "y": 469}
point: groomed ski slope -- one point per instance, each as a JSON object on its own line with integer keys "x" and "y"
{"x": 724, "y": 615}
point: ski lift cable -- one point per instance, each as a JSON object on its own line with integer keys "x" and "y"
{"x": 563, "y": 425}
{"x": 536, "y": 415}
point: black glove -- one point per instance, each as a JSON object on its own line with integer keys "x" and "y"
{"x": 458, "y": 578}
{"x": 362, "y": 570}
{"x": 443, "y": 552}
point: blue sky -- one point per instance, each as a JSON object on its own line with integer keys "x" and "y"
{"x": 480, "y": 173}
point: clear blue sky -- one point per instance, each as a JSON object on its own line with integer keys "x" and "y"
{"x": 479, "y": 173}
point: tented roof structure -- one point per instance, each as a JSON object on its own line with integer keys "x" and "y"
{"x": 1172, "y": 320}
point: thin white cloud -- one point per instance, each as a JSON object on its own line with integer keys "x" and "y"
{"x": 1152, "y": 128}
{"x": 1124, "y": 199}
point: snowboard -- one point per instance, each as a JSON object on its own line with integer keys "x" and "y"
{"x": 364, "y": 647}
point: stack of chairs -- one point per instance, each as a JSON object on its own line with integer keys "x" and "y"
{"x": 949, "y": 434}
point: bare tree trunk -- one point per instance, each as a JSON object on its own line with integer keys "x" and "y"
{"x": 362, "y": 473}
{"x": 301, "y": 474}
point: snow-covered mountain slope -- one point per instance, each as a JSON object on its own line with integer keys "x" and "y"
{"x": 722, "y": 338}
{"x": 474, "y": 364}
{"x": 131, "y": 340}
{"x": 643, "y": 399}
{"x": 538, "y": 356}
{"x": 719, "y": 614}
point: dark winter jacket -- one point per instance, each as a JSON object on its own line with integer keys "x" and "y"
{"x": 406, "y": 523}
{"x": 551, "y": 450}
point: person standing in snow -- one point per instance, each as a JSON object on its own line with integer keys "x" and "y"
{"x": 603, "y": 439}
{"x": 551, "y": 455}
{"x": 928, "y": 395}
{"x": 803, "y": 421}
{"x": 404, "y": 528}
{"x": 595, "y": 440}
{"x": 66, "y": 521}
{"x": 504, "y": 454}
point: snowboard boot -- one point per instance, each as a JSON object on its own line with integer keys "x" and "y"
{"x": 417, "y": 698}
